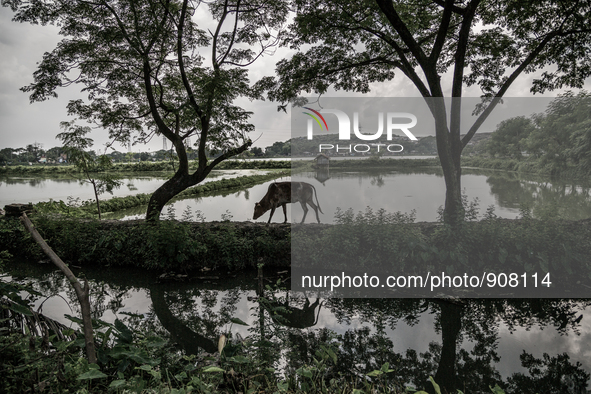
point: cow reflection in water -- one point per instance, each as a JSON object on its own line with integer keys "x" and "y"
{"x": 194, "y": 341}
{"x": 291, "y": 316}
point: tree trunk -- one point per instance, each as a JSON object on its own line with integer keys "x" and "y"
{"x": 98, "y": 203}
{"x": 453, "y": 212}
{"x": 449, "y": 149}
{"x": 182, "y": 179}
{"x": 81, "y": 292}
{"x": 191, "y": 341}
{"x": 165, "y": 193}
{"x": 451, "y": 324}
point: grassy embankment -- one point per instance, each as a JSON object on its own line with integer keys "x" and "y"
{"x": 525, "y": 245}
{"x": 145, "y": 166}
{"x": 530, "y": 166}
{"x": 524, "y": 165}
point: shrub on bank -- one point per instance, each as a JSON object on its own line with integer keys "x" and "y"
{"x": 529, "y": 165}
{"x": 376, "y": 162}
{"x": 378, "y": 242}
{"x": 166, "y": 245}
{"x": 491, "y": 244}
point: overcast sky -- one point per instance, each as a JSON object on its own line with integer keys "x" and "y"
{"x": 21, "y": 123}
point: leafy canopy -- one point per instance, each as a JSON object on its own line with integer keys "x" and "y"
{"x": 149, "y": 68}
{"x": 441, "y": 46}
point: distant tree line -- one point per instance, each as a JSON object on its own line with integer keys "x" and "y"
{"x": 31, "y": 153}
{"x": 557, "y": 139}
{"x": 34, "y": 153}
{"x": 301, "y": 146}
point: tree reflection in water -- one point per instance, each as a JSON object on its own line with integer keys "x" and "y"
{"x": 285, "y": 333}
{"x": 556, "y": 198}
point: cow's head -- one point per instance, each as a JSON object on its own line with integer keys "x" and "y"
{"x": 258, "y": 211}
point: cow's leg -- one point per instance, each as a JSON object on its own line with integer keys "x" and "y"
{"x": 315, "y": 208}
{"x": 284, "y": 211}
{"x": 305, "y": 208}
{"x": 271, "y": 215}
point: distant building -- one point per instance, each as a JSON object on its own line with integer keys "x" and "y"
{"x": 322, "y": 160}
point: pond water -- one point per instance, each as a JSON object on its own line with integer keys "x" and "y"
{"x": 421, "y": 191}
{"x": 25, "y": 189}
{"x": 486, "y": 337}
{"x": 486, "y": 340}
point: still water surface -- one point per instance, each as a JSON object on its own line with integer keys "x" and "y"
{"x": 488, "y": 342}
{"x": 419, "y": 190}
{"x": 492, "y": 336}
{"x": 25, "y": 189}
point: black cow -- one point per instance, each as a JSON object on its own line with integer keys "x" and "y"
{"x": 281, "y": 193}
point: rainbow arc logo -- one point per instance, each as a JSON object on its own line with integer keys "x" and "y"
{"x": 315, "y": 118}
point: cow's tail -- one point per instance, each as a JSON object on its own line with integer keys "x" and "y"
{"x": 317, "y": 203}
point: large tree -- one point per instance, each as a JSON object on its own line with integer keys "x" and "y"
{"x": 441, "y": 46}
{"x": 148, "y": 68}
{"x": 563, "y": 134}
{"x": 508, "y": 139}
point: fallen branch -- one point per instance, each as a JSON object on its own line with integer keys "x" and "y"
{"x": 81, "y": 292}
{"x": 37, "y": 323}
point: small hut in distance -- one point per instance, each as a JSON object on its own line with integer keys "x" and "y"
{"x": 322, "y": 161}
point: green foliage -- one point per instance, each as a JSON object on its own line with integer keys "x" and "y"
{"x": 254, "y": 164}
{"x": 525, "y": 245}
{"x": 561, "y": 135}
{"x": 557, "y": 141}
{"x": 555, "y": 372}
{"x": 147, "y": 166}
{"x": 14, "y": 293}
{"x": 149, "y": 364}
{"x": 169, "y": 245}
{"x": 94, "y": 169}
{"x": 390, "y": 164}
{"x": 281, "y": 149}
{"x": 358, "y": 45}
{"x": 490, "y": 244}
{"x": 508, "y": 140}
{"x": 145, "y": 72}
{"x": 16, "y": 240}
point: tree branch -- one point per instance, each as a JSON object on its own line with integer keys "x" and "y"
{"x": 227, "y": 154}
{"x": 186, "y": 83}
{"x": 504, "y": 88}
{"x": 233, "y": 34}
{"x": 442, "y": 32}
{"x": 216, "y": 35}
{"x": 460, "y": 61}
{"x": 82, "y": 293}
{"x": 387, "y": 8}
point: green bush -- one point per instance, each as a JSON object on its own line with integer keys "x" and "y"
{"x": 166, "y": 245}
